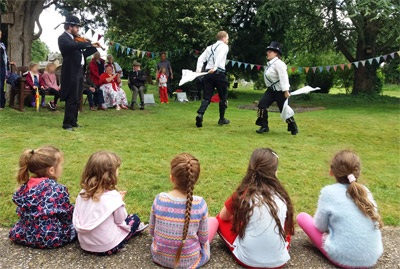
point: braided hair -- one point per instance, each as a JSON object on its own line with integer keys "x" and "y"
{"x": 185, "y": 169}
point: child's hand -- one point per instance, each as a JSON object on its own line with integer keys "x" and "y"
{"x": 35, "y": 88}
{"x": 122, "y": 194}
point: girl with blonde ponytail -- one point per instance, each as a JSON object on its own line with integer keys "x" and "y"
{"x": 179, "y": 222}
{"x": 346, "y": 225}
{"x": 42, "y": 203}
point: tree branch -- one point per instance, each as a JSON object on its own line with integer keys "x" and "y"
{"x": 37, "y": 35}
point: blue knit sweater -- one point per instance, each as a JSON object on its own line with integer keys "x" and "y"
{"x": 353, "y": 239}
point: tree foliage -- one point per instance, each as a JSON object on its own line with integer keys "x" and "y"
{"x": 39, "y": 51}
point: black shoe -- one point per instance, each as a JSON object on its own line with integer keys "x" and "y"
{"x": 223, "y": 121}
{"x": 263, "y": 130}
{"x": 293, "y": 128}
{"x": 141, "y": 106}
{"x": 199, "y": 120}
{"x": 69, "y": 129}
{"x": 52, "y": 106}
{"x": 78, "y": 126}
{"x": 132, "y": 107}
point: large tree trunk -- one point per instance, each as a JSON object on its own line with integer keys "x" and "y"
{"x": 365, "y": 76}
{"x": 21, "y": 33}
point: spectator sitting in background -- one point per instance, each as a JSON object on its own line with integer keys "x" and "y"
{"x": 93, "y": 93}
{"x": 96, "y": 67}
{"x": 50, "y": 83}
{"x": 136, "y": 80}
{"x": 113, "y": 94}
{"x": 35, "y": 81}
{"x": 115, "y": 66}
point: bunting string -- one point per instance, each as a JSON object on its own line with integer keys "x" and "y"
{"x": 238, "y": 64}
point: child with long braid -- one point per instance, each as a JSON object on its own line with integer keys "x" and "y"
{"x": 179, "y": 222}
{"x": 346, "y": 226}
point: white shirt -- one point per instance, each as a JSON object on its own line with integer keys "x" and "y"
{"x": 82, "y": 60}
{"x": 262, "y": 245}
{"x": 215, "y": 56}
{"x": 276, "y": 74}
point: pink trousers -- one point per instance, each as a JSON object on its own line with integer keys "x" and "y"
{"x": 306, "y": 222}
{"x": 212, "y": 228}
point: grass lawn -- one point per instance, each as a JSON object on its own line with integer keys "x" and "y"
{"x": 148, "y": 140}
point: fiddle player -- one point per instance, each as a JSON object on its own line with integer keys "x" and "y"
{"x": 74, "y": 54}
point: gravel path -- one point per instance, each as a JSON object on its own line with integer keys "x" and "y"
{"x": 137, "y": 254}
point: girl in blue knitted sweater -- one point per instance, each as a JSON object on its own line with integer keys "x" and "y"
{"x": 346, "y": 226}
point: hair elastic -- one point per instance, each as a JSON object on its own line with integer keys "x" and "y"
{"x": 276, "y": 155}
{"x": 32, "y": 151}
{"x": 183, "y": 242}
{"x": 351, "y": 178}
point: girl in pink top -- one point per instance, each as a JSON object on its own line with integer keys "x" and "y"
{"x": 50, "y": 84}
{"x": 100, "y": 218}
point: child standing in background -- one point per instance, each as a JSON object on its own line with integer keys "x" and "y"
{"x": 100, "y": 218}
{"x": 34, "y": 80}
{"x": 50, "y": 83}
{"x": 162, "y": 83}
{"x": 346, "y": 226}
{"x": 42, "y": 203}
{"x": 257, "y": 220}
{"x": 179, "y": 222}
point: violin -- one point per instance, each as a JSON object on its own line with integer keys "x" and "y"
{"x": 83, "y": 39}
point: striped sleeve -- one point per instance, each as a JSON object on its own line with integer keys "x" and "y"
{"x": 203, "y": 225}
{"x": 152, "y": 222}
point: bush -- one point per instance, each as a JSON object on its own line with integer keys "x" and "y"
{"x": 295, "y": 80}
{"x": 380, "y": 81}
{"x": 323, "y": 80}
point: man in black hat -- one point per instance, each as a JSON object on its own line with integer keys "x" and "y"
{"x": 72, "y": 71}
{"x": 277, "y": 80}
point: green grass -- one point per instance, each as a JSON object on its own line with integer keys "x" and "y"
{"x": 148, "y": 140}
{"x": 388, "y": 89}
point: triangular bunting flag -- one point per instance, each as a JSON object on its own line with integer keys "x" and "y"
{"x": 196, "y": 51}
{"x": 328, "y": 67}
{"x": 143, "y": 53}
{"x": 320, "y": 69}
{"x": 356, "y": 64}
{"x": 363, "y": 62}
{"x": 378, "y": 59}
{"x": 179, "y": 50}
{"x": 370, "y": 60}
{"x": 93, "y": 32}
{"x": 251, "y": 66}
{"x": 239, "y": 64}
{"x": 128, "y": 50}
{"x": 307, "y": 68}
{"x": 122, "y": 49}
{"x": 384, "y": 57}
{"x": 342, "y": 66}
{"x": 152, "y": 55}
{"x": 86, "y": 29}
{"x": 157, "y": 54}
{"x": 245, "y": 65}
{"x": 258, "y": 67}
{"x": 300, "y": 69}
{"x": 392, "y": 55}
{"x": 148, "y": 54}
{"x": 293, "y": 69}
{"x": 227, "y": 62}
{"x": 233, "y": 63}
{"x": 117, "y": 46}
{"x": 314, "y": 68}
{"x": 335, "y": 67}
{"x": 349, "y": 65}
{"x": 398, "y": 52}
{"x": 98, "y": 37}
{"x": 138, "y": 53}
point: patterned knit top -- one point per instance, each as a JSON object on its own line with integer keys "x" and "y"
{"x": 167, "y": 220}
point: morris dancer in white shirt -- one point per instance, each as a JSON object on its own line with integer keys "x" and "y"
{"x": 277, "y": 80}
{"x": 214, "y": 57}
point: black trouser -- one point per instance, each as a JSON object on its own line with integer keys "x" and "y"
{"x": 95, "y": 98}
{"x": 72, "y": 104}
{"x": 2, "y": 82}
{"x": 41, "y": 93}
{"x": 199, "y": 86}
{"x": 268, "y": 98}
{"x": 169, "y": 89}
{"x": 55, "y": 93}
{"x": 211, "y": 81}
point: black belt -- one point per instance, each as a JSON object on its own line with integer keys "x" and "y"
{"x": 218, "y": 71}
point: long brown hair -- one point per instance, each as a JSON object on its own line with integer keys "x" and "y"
{"x": 38, "y": 161}
{"x": 100, "y": 174}
{"x": 258, "y": 187}
{"x": 185, "y": 170}
{"x": 345, "y": 163}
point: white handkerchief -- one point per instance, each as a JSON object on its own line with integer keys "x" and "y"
{"x": 189, "y": 75}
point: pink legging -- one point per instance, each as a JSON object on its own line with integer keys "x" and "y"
{"x": 212, "y": 228}
{"x": 306, "y": 222}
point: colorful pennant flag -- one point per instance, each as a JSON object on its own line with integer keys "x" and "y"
{"x": 143, "y": 53}
{"x": 363, "y": 62}
{"x": 335, "y": 67}
{"x": 300, "y": 69}
{"x": 293, "y": 69}
{"x": 342, "y": 66}
{"x": 138, "y": 53}
{"x": 239, "y": 64}
{"x": 99, "y": 36}
{"x": 378, "y": 59}
{"x": 117, "y": 46}
{"x": 349, "y": 65}
{"x": 307, "y": 68}
{"x": 392, "y": 55}
{"x": 258, "y": 67}
{"x": 320, "y": 69}
{"x": 227, "y": 61}
{"x": 122, "y": 49}
{"x": 245, "y": 65}
{"x": 148, "y": 54}
{"x": 356, "y": 64}
{"x": 128, "y": 50}
{"x": 251, "y": 66}
{"x": 233, "y": 63}
{"x": 314, "y": 68}
{"x": 152, "y": 55}
{"x": 384, "y": 57}
{"x": 370, "y": 60}
{"x": 93, "y": 32}
{"x": 328, "y": 67}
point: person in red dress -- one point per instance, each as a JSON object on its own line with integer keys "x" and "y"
{"x": 113, "y": 94}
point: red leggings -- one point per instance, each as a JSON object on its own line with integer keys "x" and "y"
{"x": 163, "y": 94}
{"x": 229, "y": 237}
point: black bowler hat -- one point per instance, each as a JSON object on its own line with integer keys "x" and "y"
{"x": 275, "y": 46}
{"x": 72, "y": 20}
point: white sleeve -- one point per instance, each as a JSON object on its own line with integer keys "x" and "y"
{"x": 221, "y": 59}
{"x": 283, "y": 76}
{"x": 118, "y": 67}
{"x": 201, "y": 60}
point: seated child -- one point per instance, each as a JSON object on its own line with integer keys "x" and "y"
{"x": 179, "y": 222}
{"x": 257, "y": 220}
{"x": 100, "y": 218}
{"x": 346, "y": 225}
{"x": 34, "y": 80}
{"x": 42, "y": 204}
{"x": 50, "y": 83}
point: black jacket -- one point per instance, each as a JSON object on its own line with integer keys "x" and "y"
{"x": 136, "y": 78}
{"x": 71, "y": 70}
